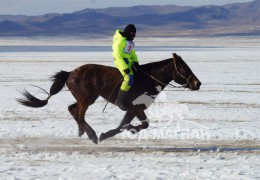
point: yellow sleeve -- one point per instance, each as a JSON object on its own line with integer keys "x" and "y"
{"x": 134, "y": 56}
{"x": 118, "y": 50}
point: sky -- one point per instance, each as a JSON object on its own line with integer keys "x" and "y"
{"x": 40, "y": 7}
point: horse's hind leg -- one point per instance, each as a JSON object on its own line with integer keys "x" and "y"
{"x": 73, "y": 109}
{"x": 84, "y": 125}
{"x": 125, "y": 124}
{"x": 78, "y": 113}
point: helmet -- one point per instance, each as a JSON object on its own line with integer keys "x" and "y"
{"x": 129, "y": 32}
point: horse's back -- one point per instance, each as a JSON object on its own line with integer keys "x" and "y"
{"x": 93, "y": 78}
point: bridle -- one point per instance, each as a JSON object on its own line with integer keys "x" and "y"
{"x": 177, "y": 72}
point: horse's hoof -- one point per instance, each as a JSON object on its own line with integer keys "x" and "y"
{"x": 133, "y": 130}
{"x": 81, "y": 132}
{"x": 94, "y": 139}
{"x": 102, "y": 137}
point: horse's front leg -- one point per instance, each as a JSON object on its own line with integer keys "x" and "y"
{"x": 144, "y": 123}
{"x": 125, "y": 125}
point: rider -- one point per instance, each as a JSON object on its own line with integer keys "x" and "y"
{"x": 124, "y": 59}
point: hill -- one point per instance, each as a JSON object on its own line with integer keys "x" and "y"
{"x": 170, "y": 20}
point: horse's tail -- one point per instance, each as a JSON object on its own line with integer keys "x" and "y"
{"x": 59, "y": 80}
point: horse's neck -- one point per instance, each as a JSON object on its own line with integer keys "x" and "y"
{"x": 162, "y": 71}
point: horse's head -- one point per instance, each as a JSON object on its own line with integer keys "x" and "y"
{"x": 183, "y": 75}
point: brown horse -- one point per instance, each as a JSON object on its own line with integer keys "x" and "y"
{"x": 90, "y": 81}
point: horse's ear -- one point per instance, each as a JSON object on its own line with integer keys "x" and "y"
{"x": 174, "y": 56}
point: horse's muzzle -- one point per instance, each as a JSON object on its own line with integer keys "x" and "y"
{"x": 194, "y": 85}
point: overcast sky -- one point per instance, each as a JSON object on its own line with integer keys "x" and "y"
{"x": 39, "y": 7}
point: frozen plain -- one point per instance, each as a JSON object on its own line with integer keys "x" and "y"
{"x": 213, "y": 133}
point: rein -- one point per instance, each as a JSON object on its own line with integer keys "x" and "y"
{"x": 169, "y": 84}
{"x": 112, "y": 93}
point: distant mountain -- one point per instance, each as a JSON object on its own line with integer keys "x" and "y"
{"x": 231, "y": 19}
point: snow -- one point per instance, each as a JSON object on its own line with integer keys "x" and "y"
{"x": 213, "y": 133}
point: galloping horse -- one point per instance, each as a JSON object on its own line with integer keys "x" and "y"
{"x": 90, "y": 81}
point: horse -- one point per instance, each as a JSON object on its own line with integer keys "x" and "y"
{"x": 89, "y": 81}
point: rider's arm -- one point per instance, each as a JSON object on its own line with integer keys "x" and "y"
{"x": 134, "y": 56}
{"x": 118, "y": 48}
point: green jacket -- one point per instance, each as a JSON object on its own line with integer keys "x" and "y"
{"x": 123, "y": 49}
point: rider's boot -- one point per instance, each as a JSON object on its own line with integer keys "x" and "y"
{"x": 121, "y": 100}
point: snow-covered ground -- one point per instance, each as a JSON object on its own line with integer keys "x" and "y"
{"x": 213, "y": 133}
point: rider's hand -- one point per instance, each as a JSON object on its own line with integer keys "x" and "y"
{"x": 135, "y": 66}
{"x": 127, "y": 71}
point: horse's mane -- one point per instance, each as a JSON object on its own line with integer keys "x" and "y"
{"x": 155, "y": 65}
